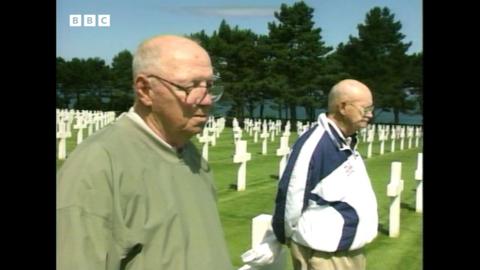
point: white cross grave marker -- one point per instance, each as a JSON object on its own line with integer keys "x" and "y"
{"x": 417, "y": 135}
{"x": 363, "y": 131}
{"x": 370, "y": 141}
{"x": 393, "y": 137}
{"x": 237, "y": 134}
{"x": 409, "y": 136}
{"x": 419, "y": 178}
{"x": 213, "y": 137}
{"x": 62, "y": 145}
{"x": 79, "y": 125}
{"x": 205, "y": 139}
{"x": 261, "y": 230}
{"x": 250, "y": 128}
{"x": 264, "y": 136}
{"x": 382, "y": 133}
{"x": 90, "y": 126}
{"x": 241, "y": 156}
{"x": 394, "y": 190}
{"x": 278, "y": 127}
{"x": 256, "y": 130}
{"x": 299, "y": 128}
{"x": 220, "y": 126}
{"x": 272, "y": 131}
{"x": 287, "y": 129}
{"x": 96, "y": 119}
{"x": 283, "y": 152}
{"x": 402, "y": 137}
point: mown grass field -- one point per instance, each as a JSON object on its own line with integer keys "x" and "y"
{"x": 238, "y": 208}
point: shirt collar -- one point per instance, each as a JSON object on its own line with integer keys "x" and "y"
{"x": 137, "y": 119}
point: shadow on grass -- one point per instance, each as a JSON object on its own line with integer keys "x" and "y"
{"x": 382, "y": 229}
{"x": 407, "y": 206}
{"x": 274, "y": 176}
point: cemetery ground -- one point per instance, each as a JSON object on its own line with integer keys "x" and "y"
{"x": 238, "y": 208}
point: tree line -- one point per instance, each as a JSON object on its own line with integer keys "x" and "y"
{"x": 290, "y": 66}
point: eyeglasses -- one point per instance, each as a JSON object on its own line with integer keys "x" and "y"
{"x": 363, "y": 110}
{"x": 194, "y": 93}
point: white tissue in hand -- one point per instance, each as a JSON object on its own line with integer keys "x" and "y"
{"x": 247, "y": 267}
{"x": 262, "y": 254}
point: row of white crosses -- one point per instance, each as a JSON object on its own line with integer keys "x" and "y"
{"x": 301, "y": 128}
{"x": 242, "y": 156}
{"x": 394, "y": 191}
{"x": 284, "y": 148}
{"x": 395, "y": 132}
{"x": 276, "y": 126}
{"x": 64, "y": 121}
{"x": 261, "y": 224}
{"x": 253, "y": 129}
{"x": 210, "y": 133}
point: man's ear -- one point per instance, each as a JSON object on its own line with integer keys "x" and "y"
{"x": 142, "y": 90}
{"x": 341, "y": 106}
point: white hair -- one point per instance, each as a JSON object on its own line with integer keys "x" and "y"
{"x": 147, "y": 58}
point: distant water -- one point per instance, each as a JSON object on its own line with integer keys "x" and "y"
{"x": 380, "y": 117}
{"x": 407, "y": 119}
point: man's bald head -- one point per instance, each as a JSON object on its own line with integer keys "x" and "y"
{"x": 347, "y": 90}
{"x": 163, "y": 52}
{"x": 171, "y": 80}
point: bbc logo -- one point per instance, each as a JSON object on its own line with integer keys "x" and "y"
{"x": 90, "y": 20}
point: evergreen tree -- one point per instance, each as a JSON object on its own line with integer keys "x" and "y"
{"x": 378, "y": 58}
{"x": 97, "y": 80}
{"x": 62, "y": 99}
{"x": 415, "y": 78}
{"x": 297, "y": 52}
{"x": 237, "y": 56}
{"x": 121, "y": 95}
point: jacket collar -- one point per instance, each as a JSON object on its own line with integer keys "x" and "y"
{"x": 336, "y": 134}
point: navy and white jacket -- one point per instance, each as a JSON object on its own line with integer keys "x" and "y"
{"x": 325, "y": 200}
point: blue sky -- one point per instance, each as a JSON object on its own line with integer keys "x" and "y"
{"x": 135, "y": 20}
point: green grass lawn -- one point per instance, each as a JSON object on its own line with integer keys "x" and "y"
{"x": 238, "y": 208}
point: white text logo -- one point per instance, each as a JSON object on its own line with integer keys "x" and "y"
{"x": 89, "y": 20}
